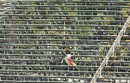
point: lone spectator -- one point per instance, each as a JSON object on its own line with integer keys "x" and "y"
{"x": 67, "y": 58}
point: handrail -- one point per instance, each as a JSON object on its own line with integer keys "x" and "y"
{"x": 111, "y": 51}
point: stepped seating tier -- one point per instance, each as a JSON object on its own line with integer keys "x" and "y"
{"x": 33, "y": 34}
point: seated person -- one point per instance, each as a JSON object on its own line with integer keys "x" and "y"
{"x": 67, "y": 58}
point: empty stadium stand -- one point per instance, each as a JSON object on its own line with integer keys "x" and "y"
{"x": 33, "y": 34}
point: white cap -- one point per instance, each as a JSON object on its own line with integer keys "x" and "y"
{"x": 68, "y": 56}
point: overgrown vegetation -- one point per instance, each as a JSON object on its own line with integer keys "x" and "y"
{"x": 47, "y": 27}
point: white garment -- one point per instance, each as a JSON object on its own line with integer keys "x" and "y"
{"x": 68, "y": 56}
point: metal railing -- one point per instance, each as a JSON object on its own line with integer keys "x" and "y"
{"x": 111, "y": 51}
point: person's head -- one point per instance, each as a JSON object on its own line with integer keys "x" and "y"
{"x": 66, "y": 51}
